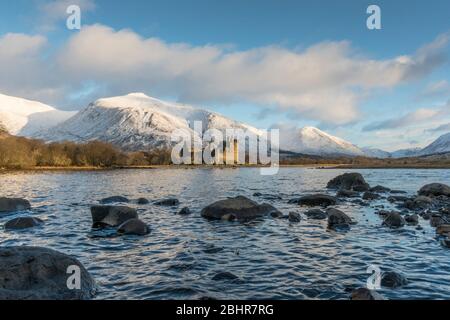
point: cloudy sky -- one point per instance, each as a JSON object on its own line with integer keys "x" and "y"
{"x": 289, "y": 62}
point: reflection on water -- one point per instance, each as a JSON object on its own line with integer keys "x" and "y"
{"x": 273, "y": 258}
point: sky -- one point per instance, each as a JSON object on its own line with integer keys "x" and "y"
{"x": 280, "y": 63}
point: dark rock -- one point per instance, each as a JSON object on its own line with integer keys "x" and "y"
{"x": 394, "y": 220}
{"x": 33, "y": 273}
{"x": 371, "y": 196}
{"x": 379, "y": 189}
{"x": 393, "y": 279}
{"x": 316, "y": 214}
{"x": 347, "y": 194}
{"x": 212, "y": 250}
{"x": 143, "y": 201}
{"x": 397, "y": 192}
{"x": 434, "y": 190}
{"x": 238, "y": 208}
{"x": 397, "y": 199}
{"x": 349, "y": 181}
{"x": 412, "y": 219}
{"x": 294, "y": 217}
{"x": 114, "y": 199}
{"x": 276, "y": 214}
{"x": 437, "y": 220}
{"x": 315, "y": 200}
{"x": 167, "y": 202}
{"x": 225, "y": 276}
{"x": 14, "y": 204}
{"x": 111, "y": 215}
{"x": 337, "y": 218}
{"x": 267, "y": 196}
{"x": 366, "y": 294}
{"x": 134, "y": 227}
{"x": 446, "y": 243}
{"x": 184, "y": 211}
{"x": 383, "y": 213}
{"x": 23, "y": 223}
{"x": 443, "y": 230}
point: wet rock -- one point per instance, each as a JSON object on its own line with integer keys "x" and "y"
{"x": 14, "y": 204}
{"x": 379, "y": 189}
{"x": 111, "y": 215}
{"x": 443, "y": 230}
{"x": 142, "y": 201}
{"x": 394, "y": 220}
{"x": 397, "y": 192}
{"x": 23, "y": 223}
{"x": 360, "y": 202}
{"x": 366, "y": 294}
{"x": 114, "y": 199}
{"x": 434, "y": 190}
{"x": 337, "y": 218}
{"x": 267, "y": 196}
{"x": 397, "y": 199}
{"x": 383, "y": 213}
{"x": 133, "y": 227}
{"x": 316, "y": 214}
{"x": 347, "y": 194}
{"x": 225, "y": 276}
{"x": 315, "y": 200}
{"x": 437, "y": 220}
{"x": 349, "y": 181}
{"x": 170, "y": 202}
{"x": 294, "y": 217}
{"x": 238, "y": 208}
{"x": 412, "y": 219}
{"x": 392, "y": 279}
{"x": 185, "y": 211}
{"x": 277, "y": 214}
{"x": 34, "y": 273}
{"x": 446, "y": 243}
{"x": 371, "y": 196}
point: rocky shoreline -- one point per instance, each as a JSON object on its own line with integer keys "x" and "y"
{"x": 48, "y": 268}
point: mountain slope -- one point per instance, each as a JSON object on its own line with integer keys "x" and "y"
{"x": 440, "y": 145}
{"x": 24, "y": 117}
{"x": 312, "y": 141}
{"x": 376, "y": 153}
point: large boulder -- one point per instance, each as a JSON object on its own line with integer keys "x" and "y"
{"x": 134, "y": 227}
{"x": 337, "y": 218}
{"x": 114, "y": 199}
{"x": 238, "y": 208}
{"x": 315, "y": 200}
{"x": 434, "y": 190}
{"x": 366, "y": 294}
{"x": 349, "y": 181}
{"x": 111, "y": 215}
{"x": 23, "y": 223}
{"x": 394, "y": 220}
{"x": 33, "y": 273}
{"x": 14, "y": 204}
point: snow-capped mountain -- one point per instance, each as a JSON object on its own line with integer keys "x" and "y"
{"x": 376, "y": 153}
{"x": 24, "y": 117}
{"x": 440, "y": 145}
{"x": 136, "y": 122}
{"x": 312, "y": 141}
{"x": 406, "y": 153}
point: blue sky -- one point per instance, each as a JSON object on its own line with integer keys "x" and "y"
{"x": 250, "y": 60}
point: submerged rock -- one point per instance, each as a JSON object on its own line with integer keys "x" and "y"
{"x": 185, "y": 211}
{"x": 437, "y": 220}
{"x": 111, "y": 215}
{"x": 379, "y": 189}
{"x": 34, "y": 273}
{"x": 134, "y": 227}
{"x": 371, "y": 196}
{"x": 349, "y": 181}
{"x": 238, "y": 208}
{"x": 412, "y": 219}
{"x": 392, "y": 279}
{"x": 294, "y": 217}
{"x": 315, "y": 200}
{"x": 394, "y": 220}
{"x": 316, "y": 214}
{"x": 397, "y": 199}
{"x": 337, "y": 218}
{"x": 366, "y": 294}
{"x": 142, "y": 201}
{"x": 23, "y": 223}
{"x": 225, "y": 276}
{"x": 114, "y": 199}
{"x": 170, "y": 202}
{"x": 347, "y": 194}
{"x": 14, "y": 204}
{"x": 434, "y": 190}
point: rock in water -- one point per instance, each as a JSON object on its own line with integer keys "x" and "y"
{"x": 443, "y": 230}
{"x": 370, "y": 196}
{"x": 316, "y": 214}
{"x": 379, "y": 189}
{"x": 14, "y": 204}
{"x": 33, "y": 273}
{"x": 315, "y": 200}
{"x": 393, "y": 279}
{"x": 412, "y": 219}
{"x": 337, "y": 218}
{"x": 111, "y": 215}
{"x": 349, "y": 181}
{"x": 347, "y": 194}
{"x": 434, "y": 190}
{"x": 167, "y": 202}
{"x": 134, "y": 227}
{"x": 294, "y": 217}
{"x": 114, "y": 199}
{"x": 366, "y": 294}
{"x": 142, "y": 201}
{"x": 394, "y": 220}
{"x": 238, "y": 208}
{"x": 225, "y": 276}
{"x": 437, "y": 220}
{"x": 185, "y": 211}
{"x": 22, "y": 223}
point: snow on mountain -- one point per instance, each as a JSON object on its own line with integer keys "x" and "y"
{"x": 376, "y": 153}
{"x": 136, "y": 122}
{"x": 440, "y": 145}
{"x": 312, "y": 141}
{"x": 24, "y": 117}
{"x": 406, "y": 153}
